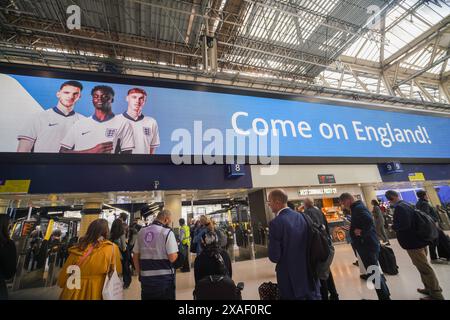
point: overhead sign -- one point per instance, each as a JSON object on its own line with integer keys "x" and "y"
{"x": 235, "y": 170}
{"x": 52, "y": 115}
{"x": 326, "y": 178}
{"x": 416, "y": 176}
{"x": 14, "y": 186}
{"x": 313, "y": 192}
{"x": 393, "y": 167}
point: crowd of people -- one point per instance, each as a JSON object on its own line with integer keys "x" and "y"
{"x": 297, "y": 237}
{"x": 288, "y": 237}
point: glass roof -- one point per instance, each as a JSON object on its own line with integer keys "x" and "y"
{"x": 404, "y": 23}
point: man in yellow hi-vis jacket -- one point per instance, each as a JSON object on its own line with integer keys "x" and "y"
{"x": 185, "y": 238}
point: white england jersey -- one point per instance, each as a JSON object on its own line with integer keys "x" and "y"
{"x": 145, "y": 131}
{"x": 47, "y": 128}
{"x": 89, "y": 132}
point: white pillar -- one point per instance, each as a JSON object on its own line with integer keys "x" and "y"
{"x": 369, "y": 194}
{"x": 172, "y": 203}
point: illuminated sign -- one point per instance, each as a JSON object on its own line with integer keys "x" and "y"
{"x": 326, "y": 178}
{"x": 416, "y": 176}
{"x": 15, "y": 186}
{"x": 314, "y": 192}
{"x": 53, "y": 115}
{"x": 393, "y": 167}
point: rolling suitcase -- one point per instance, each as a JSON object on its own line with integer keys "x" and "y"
{"x": 387, "y": 260}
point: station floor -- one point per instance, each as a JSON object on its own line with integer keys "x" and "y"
{"x": 254, "y": 272}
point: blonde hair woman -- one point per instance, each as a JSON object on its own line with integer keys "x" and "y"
{"x": 95, "y": 256}
{"x": 205, "y": 226}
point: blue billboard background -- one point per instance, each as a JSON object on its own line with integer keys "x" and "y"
{"x": 175, "y": 108}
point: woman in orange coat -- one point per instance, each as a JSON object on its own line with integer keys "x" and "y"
{"x": 93, "y": 255}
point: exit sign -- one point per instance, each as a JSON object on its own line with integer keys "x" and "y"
{"x": 326, "y": 178}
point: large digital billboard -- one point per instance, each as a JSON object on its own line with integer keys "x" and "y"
{"x": 62, "y": 115}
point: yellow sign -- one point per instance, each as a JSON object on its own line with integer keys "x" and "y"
{"x": 49, "y": 230}
{"x": 14, "y": 186}
{"x": 416, "y": 176}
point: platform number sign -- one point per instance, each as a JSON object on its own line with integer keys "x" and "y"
{"x": 393, "y": 167}
{"x": 235, "y": 170}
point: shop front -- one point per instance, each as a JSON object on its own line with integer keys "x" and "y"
{"x": 327, "y": 200}
{"x": 322, "y": 183}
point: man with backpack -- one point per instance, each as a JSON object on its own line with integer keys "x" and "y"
{"x": 327, "y": 285}
{"x": 424, "y": 205}
{"x": 213, "y": 272}
{"x": 409, "y": 226}
{"x": 288, "y": 248}
{"x": 365, "y": 241}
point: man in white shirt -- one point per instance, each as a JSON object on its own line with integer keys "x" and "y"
{"x": 145, "y": 129}
{"x": 103, "y": 132}
{"x": 44, "y": 132}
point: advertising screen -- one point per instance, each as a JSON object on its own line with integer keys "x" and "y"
{"x": 55, "y": 115}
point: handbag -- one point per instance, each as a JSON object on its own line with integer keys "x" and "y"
{"x": 113, "y": 287}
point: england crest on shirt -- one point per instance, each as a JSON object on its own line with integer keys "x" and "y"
{"x": 110, "y": 132}
{"x": 146, "y": 131}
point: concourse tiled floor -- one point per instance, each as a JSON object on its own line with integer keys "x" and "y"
{"x": 350, "y": 287}
{"x": 254, "y": 272}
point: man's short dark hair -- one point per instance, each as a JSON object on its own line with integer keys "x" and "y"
{"x": 123, "y": 216}
{"x": 182, "y": 222}
{"x": 391, "y": 194}
{"x": 345, "y": 196}
{"x": 421, "y": 194}
{"x": 107, "y": 89}
{"x": 72, "y": 83}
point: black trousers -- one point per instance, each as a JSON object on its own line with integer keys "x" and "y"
{"x": 3, "y": 290}
{"x": 328, "y": 289}
{"x": 126, "y": 270}
{"x": 158, "y": 292}
{"x": 186, "y": 267}
{"x": 433, "y": 249}
{"x": 369, "y": 258}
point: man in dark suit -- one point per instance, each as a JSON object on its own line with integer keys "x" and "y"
{"x": 288, "y": 234}
{"x": 365, "y": 240}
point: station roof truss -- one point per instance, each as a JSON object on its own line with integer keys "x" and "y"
{"x": 377, "y": 51}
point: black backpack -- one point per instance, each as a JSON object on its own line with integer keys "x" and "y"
{"x": 318, "y": 247}
{"x": 424, "y": 226}
{"x": 217, "y": 287}
{"x": 387, "y": 260}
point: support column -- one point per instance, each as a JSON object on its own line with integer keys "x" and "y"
{"x": 4, "y": 204}
{"x": 369, "y": 194}
{"x": 172, "y": 203}
{"x": 432, "y": 194}
{"x": 435, "y": 201}
{"x": 260, "y": 212}
{"x": 260, "y": 215}
{"x": 91, "y": 211}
